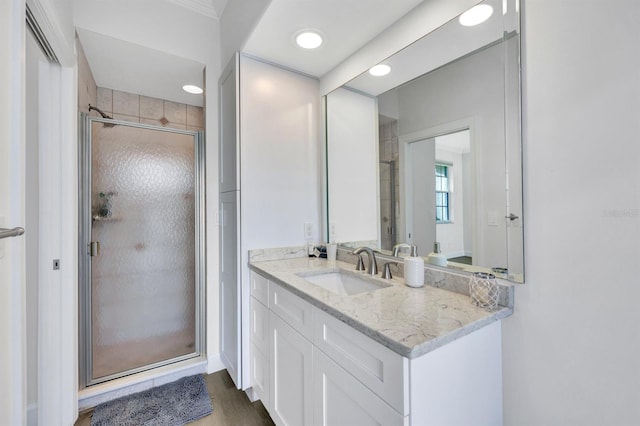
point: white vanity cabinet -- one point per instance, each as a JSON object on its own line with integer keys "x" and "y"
{"x": 323, "y": 372}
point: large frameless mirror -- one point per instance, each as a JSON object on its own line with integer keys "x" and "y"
{"x": 431, "y": 151}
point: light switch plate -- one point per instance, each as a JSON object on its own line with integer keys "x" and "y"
{"x": 492, "y": 218}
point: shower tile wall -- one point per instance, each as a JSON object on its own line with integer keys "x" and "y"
{"x": 388, "y": 151}
{"x": 146, "y": 110}
{"x": 87, "y": 88}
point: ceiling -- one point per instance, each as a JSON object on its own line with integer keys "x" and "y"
{"x": 346, "y": 26}
{"x": 447, "y": 43}
{"x": 147, "y": 71}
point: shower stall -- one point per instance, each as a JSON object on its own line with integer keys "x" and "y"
{"x": 141, "y": 251}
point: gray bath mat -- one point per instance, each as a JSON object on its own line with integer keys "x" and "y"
{"x": 173, "y": 404}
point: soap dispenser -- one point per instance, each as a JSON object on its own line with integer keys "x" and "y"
{"x": 414, "y": 269}
{"x": 436, "y": 257}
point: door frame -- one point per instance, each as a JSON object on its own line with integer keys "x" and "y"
{"x": 84, "y": 160}
{"x": 405, "y": 217}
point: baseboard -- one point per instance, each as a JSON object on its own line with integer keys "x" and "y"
{"x": 252, "y": 395}
{"x": 32, "y": 415}
{"x": 214, "y": 363}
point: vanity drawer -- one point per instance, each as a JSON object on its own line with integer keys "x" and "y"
{"x": 292, "y": 309}
{"x": 340, "y": 399}
{"x": 260, "y": 288}
{"x": 376, "y": 366}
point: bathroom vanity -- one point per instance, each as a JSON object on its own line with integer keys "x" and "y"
{"x": 382, "y": 353}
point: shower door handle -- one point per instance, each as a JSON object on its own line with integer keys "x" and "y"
{"x": 6, "y": 233}
{"x": 94, "y": 248}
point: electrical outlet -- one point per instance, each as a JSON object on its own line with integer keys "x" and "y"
{"x": 308, "y": 231}
{"x": 332, "y": 232}
{"x": 492, "y": 218}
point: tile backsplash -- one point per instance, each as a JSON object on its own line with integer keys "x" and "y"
{"x": 147, "y": 110}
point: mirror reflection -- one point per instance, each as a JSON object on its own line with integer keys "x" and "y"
{"x": 429, "y": 154}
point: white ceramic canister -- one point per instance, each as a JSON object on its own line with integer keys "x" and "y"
{"x": 414, "y": 269}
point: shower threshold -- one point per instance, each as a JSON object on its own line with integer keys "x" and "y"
{"x": 97, "y": 394}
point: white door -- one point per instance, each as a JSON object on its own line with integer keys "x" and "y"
{"x": 12, "y": 201}
{"x": 229, "y": 285}
{"x": 291, "y": 392}
{"x": 421, "y": 223}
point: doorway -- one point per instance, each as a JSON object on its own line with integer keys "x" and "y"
{"x": 141, "y": 248}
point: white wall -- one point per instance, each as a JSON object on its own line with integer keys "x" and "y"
{"x": 352, "y": 135}
{"x": 55, "y": 17}
{"x": 469, "y": 90}
{"x": 237, "y": 23}
{"x": 280, "y": 151}
{"x": 572, "y": 347}
{"x": 280, "y": 165}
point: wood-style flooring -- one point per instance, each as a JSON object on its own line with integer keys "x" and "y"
{"x": 230, "y": 406}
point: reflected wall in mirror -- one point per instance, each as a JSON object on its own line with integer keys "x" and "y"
{"x": 432, "y": 152}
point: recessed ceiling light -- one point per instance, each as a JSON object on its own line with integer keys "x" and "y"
{"x": 190, "y": 88}
{"x": 380, "y": 70}
{"x": 309, "y": 39}
{"x": 476, "y": 15}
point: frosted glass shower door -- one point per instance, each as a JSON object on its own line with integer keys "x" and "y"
{"x": 143, "y": 249}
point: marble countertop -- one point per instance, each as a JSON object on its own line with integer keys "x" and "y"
{"x": 409, "y": 321}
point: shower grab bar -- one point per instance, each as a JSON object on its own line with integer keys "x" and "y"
{"x": 6, "y": 233}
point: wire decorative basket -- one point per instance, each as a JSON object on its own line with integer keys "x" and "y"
{"x": 483, "y": 290}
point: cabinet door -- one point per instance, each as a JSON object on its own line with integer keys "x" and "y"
{"x": 260, "y": 375}
{"x": 290, "y": 375}
{"x": 259, "y": 361}
{"x": 230, "y": 286}
{"x": 340, "y": 399}
{"x": 228, "y": 151}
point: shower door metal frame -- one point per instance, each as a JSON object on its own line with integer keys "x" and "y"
{"x": 85, "y": 350}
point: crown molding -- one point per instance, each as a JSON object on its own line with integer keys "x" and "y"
{"x": 203, "y": 7}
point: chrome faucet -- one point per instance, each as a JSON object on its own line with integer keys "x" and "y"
{"x": 398, "y": 247}
{"x": 372, "y": 269}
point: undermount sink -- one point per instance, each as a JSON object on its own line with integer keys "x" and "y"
{"x": 344, "y": 284}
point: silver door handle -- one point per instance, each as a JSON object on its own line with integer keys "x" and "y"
{"x": 94, "y": 248}
{"x": 6, "y": 233}
{"x": 511, "y": 217}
